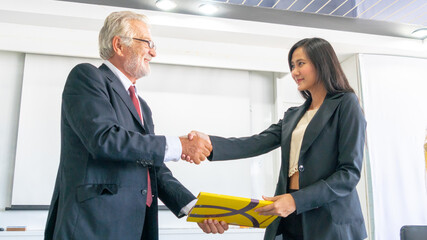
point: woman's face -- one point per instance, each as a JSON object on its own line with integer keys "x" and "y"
{"x": 303, "y": 71}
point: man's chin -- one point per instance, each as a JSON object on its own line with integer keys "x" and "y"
{"x": 141, "y": 75}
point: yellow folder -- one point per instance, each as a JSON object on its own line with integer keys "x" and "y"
{"x": 233, "y": 210}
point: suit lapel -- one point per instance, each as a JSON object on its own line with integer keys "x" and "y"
{"x": 319, "y": 121}
{"x": 290, "y": 120}
{"x": 146, "y": 114}
{"x": 121, "y": 91}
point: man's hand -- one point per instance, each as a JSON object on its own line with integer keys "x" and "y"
{"x": 193, "y": 134}
{"x": 282, "y": 206}
{"x": 199, "y": 134}
{"x": 213, "y": 226}
{"x": 196, "y": 149}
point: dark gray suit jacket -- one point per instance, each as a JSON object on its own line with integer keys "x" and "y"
{"x": 329, "y": 166}
{"x": 101, "y": 186}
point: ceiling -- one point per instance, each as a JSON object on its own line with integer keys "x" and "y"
{"x": 237, "y": 37}
{"x": 400, "y": 11}
{"x": 396, "y": 18}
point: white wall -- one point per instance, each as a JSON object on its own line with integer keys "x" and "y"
{"x": 394, "y": 98}
{"x": 62, "y": 28}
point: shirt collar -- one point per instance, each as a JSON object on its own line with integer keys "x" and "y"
{"x": 123, "y": 79}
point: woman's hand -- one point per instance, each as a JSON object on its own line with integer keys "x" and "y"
{"x": 282, "y": 206}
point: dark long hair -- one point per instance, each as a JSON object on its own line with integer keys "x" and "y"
{"x": 325, "y": 61}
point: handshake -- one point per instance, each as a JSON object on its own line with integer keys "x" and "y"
{"x": 196, "y": 147}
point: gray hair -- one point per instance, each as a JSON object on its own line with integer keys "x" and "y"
{"x": 117, "y": 24}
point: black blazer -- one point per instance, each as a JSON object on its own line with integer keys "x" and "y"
{"x": 101, "y": 186}
{"x": 329, "y": 166}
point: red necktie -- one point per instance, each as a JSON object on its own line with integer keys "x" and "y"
{"x": 138, "y": 109}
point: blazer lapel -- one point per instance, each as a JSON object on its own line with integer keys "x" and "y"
{"x": 146, "y": 114}
{"x": 121, "y": 91}
{"x": 290, "y": 120}
{"x": 319, "y": 121}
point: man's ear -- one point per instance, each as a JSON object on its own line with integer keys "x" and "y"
{"x": 117, "y": 45}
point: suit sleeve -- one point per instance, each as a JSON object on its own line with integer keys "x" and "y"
{"x": 172, "y": 193}
{"x": 88, "y": 111}
{"x": 244, "y": 147}
{"x": 343, "y": 181}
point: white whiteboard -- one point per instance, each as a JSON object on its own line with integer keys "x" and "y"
{"x": 38, "y": 144}
{"x": 182, "y": 98}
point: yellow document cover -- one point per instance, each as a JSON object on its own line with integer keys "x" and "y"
{"x": 233, "y": 210}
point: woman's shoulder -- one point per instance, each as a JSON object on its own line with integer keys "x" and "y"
{"x": 350, "y": 104}
{"x": 292, "y": 110}
{"x": 350, "y": 98}
{"x": 296, "y": 108}
{"x": 345, "y": 97}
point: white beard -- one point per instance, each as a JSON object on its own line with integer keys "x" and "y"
{"x": 134, "y": 66}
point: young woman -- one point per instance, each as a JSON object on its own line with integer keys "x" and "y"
{"x": 322, "y": 151}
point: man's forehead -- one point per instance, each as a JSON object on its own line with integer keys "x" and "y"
{"x": 140, "y": 27}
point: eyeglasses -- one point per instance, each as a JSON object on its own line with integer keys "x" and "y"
{"x": 149, "y": 42}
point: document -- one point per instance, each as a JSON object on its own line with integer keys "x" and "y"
{"x": 233, "y": 210}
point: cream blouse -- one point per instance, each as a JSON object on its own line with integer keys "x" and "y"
{"x": 296, "y": 141}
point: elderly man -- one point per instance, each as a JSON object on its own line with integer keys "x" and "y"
{"x": 112, "y": 164}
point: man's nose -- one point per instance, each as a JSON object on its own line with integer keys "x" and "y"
{"x": 153, "y": 52}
